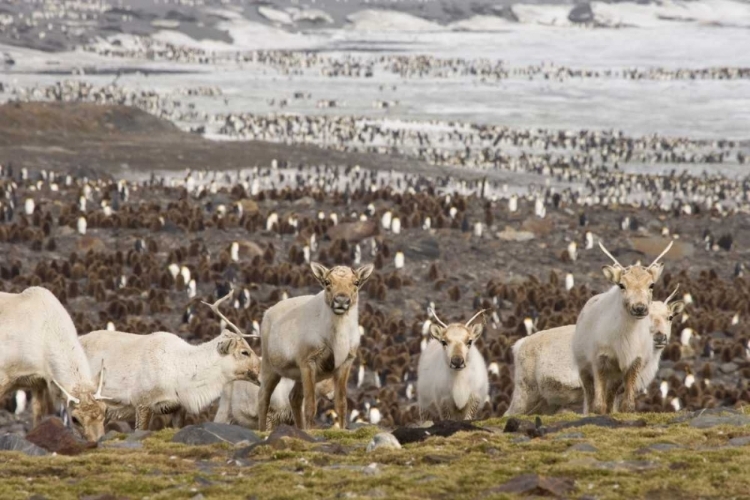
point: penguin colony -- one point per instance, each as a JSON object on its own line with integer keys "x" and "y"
{"x": 152, "y": 250}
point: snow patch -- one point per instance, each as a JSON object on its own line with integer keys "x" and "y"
{"x": 388, "y": 20}
{"x": 275, "y": 16}
{"x": 481, "y": 23}
{"x": 544, "y": 14}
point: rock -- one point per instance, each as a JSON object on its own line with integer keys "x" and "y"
{"x": 653, "y": 246}
{"x": 706, "y": 421}
{"x": 118, "y": 426}
{"x": 110, "y": 435}
{"x": 619, "y": 465}
{"x": 510, "y": 234}
{"x": 581, "y": 13}
{"x": 249, "y": 206}
{"x": 437, "y": 459}
{"x": 516, "y": 425}
{"x": 52, "y": 435}
{"x": 444, "y": 428}
{"x": 740, "y": 441}
{"x": 305, "y": 201}
{"x": 287, "y": 431}
{"x": 13, "y": 442}
{"x": 211, "y": 433}
{"x": 124, "y": 445}
{"x": 249, "y": 249}
{"x": 583, "y": 447}
{"x": 88, "y": 242}
{"x": 332, "y": 449}
{"x": 537, "y": 226}
{"x": 424, "y": 248}
{"x": 569, "y": 435}
{"x": 384, "y": 440}
{"x": 138, "y": 435}
{"x": 371, "y": 470}
{"x": 686, "y": 416}
{"x": 275, "y": 440}
{"x": 728, "y": 367}
{"x": 103, "y": 496}
{"x": 536, "y": 485}
{"x": 598, "y": 420}
{"x": 659, "y": 447}
{"x": 353, "y": 232}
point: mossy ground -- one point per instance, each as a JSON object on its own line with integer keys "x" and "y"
{"x": 466, "y": 465}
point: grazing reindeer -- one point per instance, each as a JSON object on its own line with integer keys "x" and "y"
{"x": 452, "y": 379}
{"x": 40, "y": 351}
{"x": 312, "y": 338}
{"x": 611, "y": 336}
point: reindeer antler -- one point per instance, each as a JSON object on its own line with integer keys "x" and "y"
{"x": 215, "y": 308}
{"x": 662, "y": 254}
{"x": 434, "y": 315}
{"x": 98, "y": 396}
{"x": 71, "y": 398}
{"x": 601, "y": 245}
{"x": 475, "y": 316}
{"x": 671, "y": 296}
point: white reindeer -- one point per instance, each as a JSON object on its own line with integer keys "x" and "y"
{"x": 239, "y": 402}
{"x": 452, "y": 380}
{"x": 161, "y": 373}
{"x": 545, "y": 374}
{"x": 311, "y": 338}
{"x": 611, "y": 335}
{"x": 41, "y": 351}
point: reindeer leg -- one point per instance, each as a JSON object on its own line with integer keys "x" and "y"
{"x": 307, "y": 371}
{"x": 296, "y": 397}
{"x": 470, "y": 410}
{"x": 631, "y": 378}
{"x": 587, "y": 381}
{"x": 612, "y": 389}
{"x": 268, "y": 382}
{"x": 142, "y": 417}
{"x": 340, "y": 379}
{"x": 39, "y": 406}
{"x": 600, "y": 386}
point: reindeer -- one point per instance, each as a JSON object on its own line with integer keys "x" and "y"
{"x": 545, "y": 375}
{"x": 611, "y": 335}
{"x": 41, "y": 351}
{"x": 160, "y": 373}
{"x": 452, "y": 380}
{"x": 312, "y": 338}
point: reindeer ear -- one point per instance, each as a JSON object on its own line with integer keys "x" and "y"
{"x": 320, "y": 272}
{"x": 612, "y": 273}
{"x": 363, "y": 274}
{"x": 225, "y": 346}
{"x": 476, "y": 330}
{"x": 437, "y": 331}
{"x": 655, "y": 270}
{"x": 676, "y": 307}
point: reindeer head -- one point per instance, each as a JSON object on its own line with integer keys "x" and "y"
{"x": 238, "y": 360}
{"x": 662, "y": 314}
{"x": 87, "y": 408}
{"x": 456, "y": 339}
{"x": 89, "y": 415}
{"x": 636, "y": 282}
{"x": 341, "y": 285}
